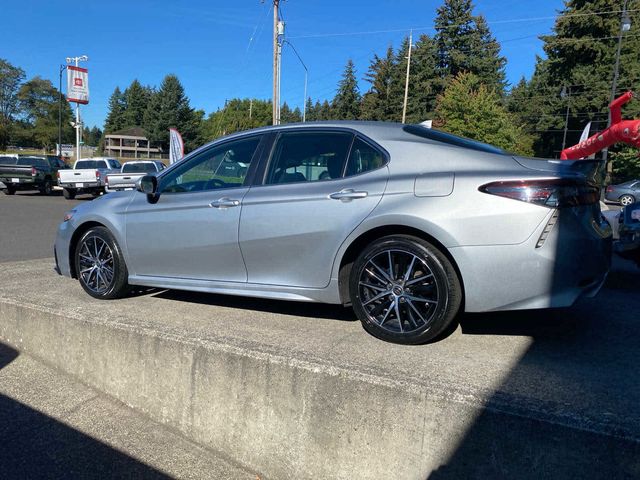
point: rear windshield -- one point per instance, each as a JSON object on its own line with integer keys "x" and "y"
{"x": 6, "y": 160}
{"x": 90, "y": 164}
{"x": 32, "y": 161}
{"x": 138, "y": 167}
{"x": 454, "y": 140}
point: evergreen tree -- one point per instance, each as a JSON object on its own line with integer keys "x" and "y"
{"x": 423, "y": 81}
{"x": 580, "y": 55}
{"x": 465, "y": 44}
{"x": 169, "y": 108}
{"x": 310, "y": 111}
{"x": 377, "y": 103}
{"x": 346, "y": 103}
{"x": 289, "y": 116}
{"x": 115, "y": 117}
{"x": 136, "y": 99}
{"x": 471, "y": 109}
{"x": 237, "y": 115}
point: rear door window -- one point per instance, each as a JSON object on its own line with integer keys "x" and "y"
{"x": 308, "y": 157}
{"x": 363, "y": 158}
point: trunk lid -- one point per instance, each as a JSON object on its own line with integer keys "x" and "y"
{"x": 593, "y": 171}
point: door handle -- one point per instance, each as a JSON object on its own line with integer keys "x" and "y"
{"x": 224, "y": 203}
{"x": 348, "y": 194}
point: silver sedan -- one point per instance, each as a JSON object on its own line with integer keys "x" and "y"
{"x": 408, "y": 225}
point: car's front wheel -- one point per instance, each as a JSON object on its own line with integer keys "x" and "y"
{"x": 404, "y": 290}
{"x": 100, "y": 265}
{"x": 627, "y": 200}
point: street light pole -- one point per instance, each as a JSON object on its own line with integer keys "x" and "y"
{"x": 62, "y": 69}
{"x": 406, "y": 82}
{"x": 625, "y": 25}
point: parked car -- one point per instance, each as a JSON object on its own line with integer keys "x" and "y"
{"x": 628, "y": 246}
{"x": 88, "y": 176}
{"x": 626, "y": 193}
{"x": 130, "y": 173}
{"x": 406, "y": 224}
{"x": 30, "y": 172}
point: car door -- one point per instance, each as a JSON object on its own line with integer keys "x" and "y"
{"x": 191, "y": 231}
{"x": 294, "y": 223}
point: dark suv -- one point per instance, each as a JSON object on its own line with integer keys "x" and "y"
{"x": 29, "y": 172}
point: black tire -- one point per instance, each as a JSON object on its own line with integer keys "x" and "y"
{"x": 627, "y": 200}
{"x": 10, "y": 190}
{"x": 419, "y": 271}
{"x": 98, "y": 250}
{"x": 69, "y": 193}
{"x": 47, "y": 187}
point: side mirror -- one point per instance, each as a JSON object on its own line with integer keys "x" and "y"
{"x": 147, "y": 184}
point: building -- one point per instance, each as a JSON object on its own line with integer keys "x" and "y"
{"x": 130, "y": 143}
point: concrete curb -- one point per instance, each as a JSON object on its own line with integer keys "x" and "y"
{"x": 289, "y": 416}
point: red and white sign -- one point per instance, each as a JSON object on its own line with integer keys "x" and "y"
{"x": 77, "y": 84}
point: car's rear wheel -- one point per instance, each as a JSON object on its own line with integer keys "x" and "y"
{"x": 10, "y": 190}
{"x": 100, "y": 265}
{"x": 47, "y": 188}
{"x": 404, "y": 290}
{"x": 69, "y": 193}
{"x": 627, "y": 200}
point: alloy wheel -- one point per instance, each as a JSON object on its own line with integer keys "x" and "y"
{"x": 398, "y": 291}
{"x": 626, "y": 200}
{"x": 96, "y": 264}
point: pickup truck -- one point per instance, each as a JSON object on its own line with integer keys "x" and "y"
{"x": 88, "y": 176}
{"x": 30, "y": 172}
{"x": 130, "y": 173}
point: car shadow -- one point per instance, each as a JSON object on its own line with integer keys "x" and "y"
{"x": 35, "y": 445}
{"x": 298, "y": 309}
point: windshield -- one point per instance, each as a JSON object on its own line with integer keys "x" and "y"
{"x": 90, "y": 164}
{"x": 32, "y": 161}
{"x": 146, "y": 167}
{"x": 454, "y": 140}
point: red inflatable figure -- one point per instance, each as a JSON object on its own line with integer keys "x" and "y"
{"x": 626, "y": 131}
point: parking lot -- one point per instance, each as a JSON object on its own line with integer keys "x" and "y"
{"x": 563, "y": 380}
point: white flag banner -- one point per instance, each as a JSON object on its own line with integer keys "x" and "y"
{"x": 77, "y": 84}
{"x": 585, "y": 136}
{"x": 176, "y": 146}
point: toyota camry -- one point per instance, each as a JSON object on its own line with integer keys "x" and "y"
{"x": 406, "y": 224}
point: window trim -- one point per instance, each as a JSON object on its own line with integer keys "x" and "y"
{"x": 248, "y": 179}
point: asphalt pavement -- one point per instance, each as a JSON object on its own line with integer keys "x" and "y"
{"x": 28, "y": 223}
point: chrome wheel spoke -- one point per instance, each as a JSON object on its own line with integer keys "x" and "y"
{"x": 96, "y": 264}
{"x": 401, "y": 297}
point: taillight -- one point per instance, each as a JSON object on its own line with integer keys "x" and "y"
{"x": 34, "y": 172}
{"x": 552, "y": 193}
{"x": 97, "y": 175}
{"x": 106, "y": 180}
{"x": 58, "y": 175}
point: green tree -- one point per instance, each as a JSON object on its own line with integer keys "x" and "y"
{"x": 310, "y": 110}
{"x": 169, "y": 108}
{"x": 580, "y": 55}
{"x": 378, "y": 103}
{"x": 465, "y": 44}
{"x": 346, "y": 103}
{"x": 39, "y": 103}
{"x": 10, "y": 79}
{"x": 117, "y": 107}
{"x": 290, "y": 116}
{"x": 91, "y": 136}
{"x": 237, "y": 115}
{"x": 471, "y": 109}
{"x": 136, "y": 101}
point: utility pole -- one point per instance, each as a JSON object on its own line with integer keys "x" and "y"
{"x": 406, "y": 82}
{"x": 250, "y": 107}
{"x": 625, "y": 25}
{"x": 565, "y": 93}
{"x": 276, "y": 80}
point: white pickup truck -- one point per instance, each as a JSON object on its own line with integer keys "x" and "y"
{"x": 130, "y": 173}
{"x": 87, "y": 176}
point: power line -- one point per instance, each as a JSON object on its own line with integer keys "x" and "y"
{"x": 455, "y": 25}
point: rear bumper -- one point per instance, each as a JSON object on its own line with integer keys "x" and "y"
{"x": 573, "y": 262}
{"x": 85, "y": 185}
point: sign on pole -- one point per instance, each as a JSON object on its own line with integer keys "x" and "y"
{"x": 176, "y": 146}
{"x": 77, "y": 84}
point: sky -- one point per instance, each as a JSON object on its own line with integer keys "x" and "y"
{"x": 223, "y": 49}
